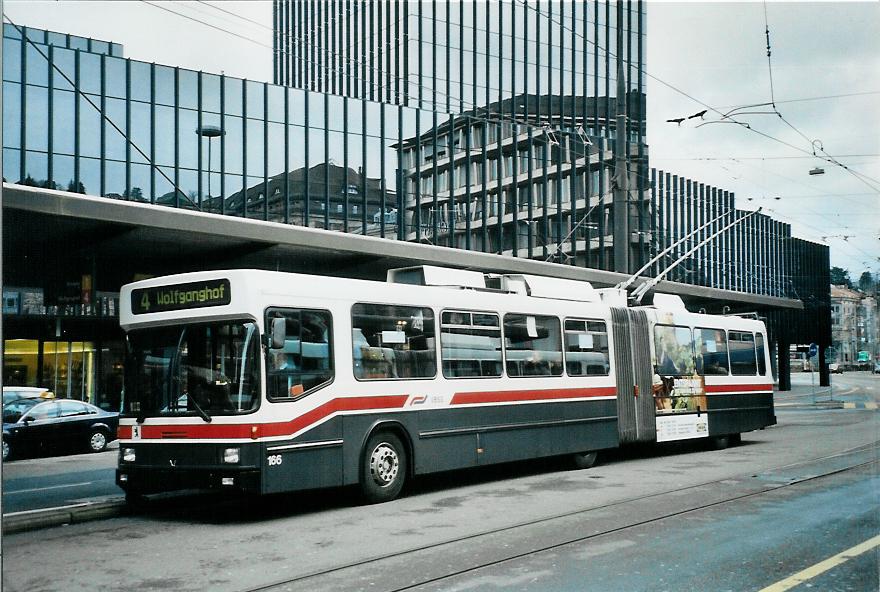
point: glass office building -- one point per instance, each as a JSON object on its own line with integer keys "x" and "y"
{"x": 517, "y": 108}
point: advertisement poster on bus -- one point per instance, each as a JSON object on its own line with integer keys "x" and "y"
{"x": 679, "y": 391}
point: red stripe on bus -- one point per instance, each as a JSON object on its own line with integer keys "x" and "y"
{"x": 227, "y": 431}
{"x": 737, "y": 388}
{"x": 531, "y": 395}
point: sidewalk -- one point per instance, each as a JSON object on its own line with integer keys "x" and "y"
{"x": 806, "y": 395}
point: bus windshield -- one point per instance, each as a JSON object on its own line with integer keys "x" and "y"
{"x": 201, "y": 369}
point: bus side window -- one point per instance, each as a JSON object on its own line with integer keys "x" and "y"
{"x": 470, "y": 344}
{"x": 586, "y": 347}
{"x": 711, "y": 347}
{"x": 742, "y": 354}
{"x": 673, "y": 351}
{"x": 533, "y": 345}
{"x": 305, "y": 360}
{"x": 391, "y": 341}
{"x": 759, "y": 347}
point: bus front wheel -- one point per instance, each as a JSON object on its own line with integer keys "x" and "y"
{"x": 383, "y": 468}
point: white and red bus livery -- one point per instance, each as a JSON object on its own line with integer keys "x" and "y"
{"x": 266, "y": 382}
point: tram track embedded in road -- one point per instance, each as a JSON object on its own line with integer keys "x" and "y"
{"x": 768, "y": 487}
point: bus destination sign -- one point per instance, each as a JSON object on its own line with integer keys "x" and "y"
{"x": 181, "y": 296}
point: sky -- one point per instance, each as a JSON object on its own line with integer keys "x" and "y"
{"x": 825, "y": 63}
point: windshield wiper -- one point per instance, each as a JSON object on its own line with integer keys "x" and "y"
{"x": 204, "y": 414}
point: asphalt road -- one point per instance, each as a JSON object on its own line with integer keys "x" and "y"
{"x": 47, "y": 482}
{"x": 36, "y": 483}
{"x": 668, "y": 518}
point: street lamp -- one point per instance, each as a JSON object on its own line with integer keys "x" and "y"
{"x": 210, "y": 132}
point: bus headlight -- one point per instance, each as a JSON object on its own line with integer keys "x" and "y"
{"x": 231, "y": 455}
{"x": 128, "y": 455}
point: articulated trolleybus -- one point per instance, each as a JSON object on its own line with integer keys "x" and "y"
{"x": 266, "y": 382}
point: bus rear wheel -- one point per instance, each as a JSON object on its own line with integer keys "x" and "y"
{"x": 720, "y": 442}
{"x": 585, "y": 460}
{"x": 383, "y": 468}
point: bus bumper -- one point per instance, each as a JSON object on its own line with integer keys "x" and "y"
{"x": 156, "y": 480}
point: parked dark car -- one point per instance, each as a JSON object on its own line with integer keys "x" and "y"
{"x": 34, "y": 424}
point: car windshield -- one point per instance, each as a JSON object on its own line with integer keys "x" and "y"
{"x": 13, "y": 410}
{"x": 202, "y": 369}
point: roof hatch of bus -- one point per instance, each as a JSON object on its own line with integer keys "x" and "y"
{"x": 669, "y": 301}
{"x": 549, "y": 287}
{"x": 430, "y": 275}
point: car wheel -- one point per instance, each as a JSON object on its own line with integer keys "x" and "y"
{"x": 6, "y": 449}
{"x": 383, "y": 468}
{"x": 98, "y": 441}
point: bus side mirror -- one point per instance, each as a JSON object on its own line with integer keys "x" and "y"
{"x": 279, "y": 332}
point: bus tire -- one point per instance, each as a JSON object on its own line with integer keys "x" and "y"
{"x": 720, "y": 442}
{"x": 383, "y": 468}
{"x": 585, "y": 460}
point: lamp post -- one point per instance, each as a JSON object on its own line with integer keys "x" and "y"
{"x": 210, "y": 132}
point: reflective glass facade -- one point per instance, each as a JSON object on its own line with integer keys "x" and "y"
{"x": 456, "y": 56}
{"x": 91, "y": 122}
{"x": 750, "y": 256}
{"x": 102, "y": 125}
{"x": 509, "y": 147}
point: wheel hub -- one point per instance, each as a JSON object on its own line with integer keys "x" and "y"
{"x": 97, "y": 441}
{"x": 384, "y": 464}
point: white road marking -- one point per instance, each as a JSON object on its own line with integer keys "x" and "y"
{"x": 47, "y": 488}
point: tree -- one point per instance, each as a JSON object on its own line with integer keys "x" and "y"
{"x": 76, "y": 187}
{"x": 840, "y": 277}
{"x": 136, "y": 194}
{"x": 866, "y": 282}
